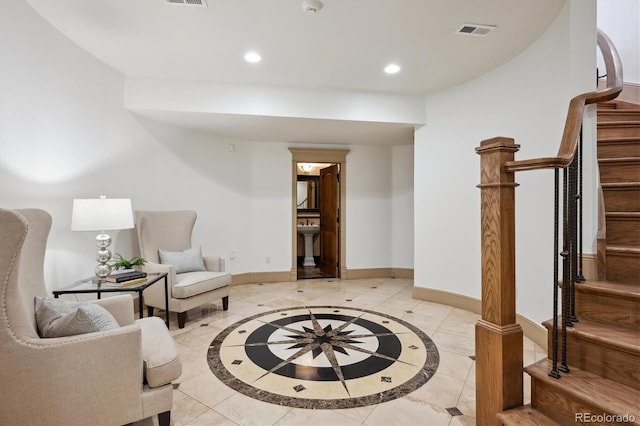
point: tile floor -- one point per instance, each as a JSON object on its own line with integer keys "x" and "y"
{"x": 310, "y": 272}
{"x": 448, "y": 398}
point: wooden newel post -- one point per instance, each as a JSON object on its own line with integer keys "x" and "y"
{"x": 498, "y": 336}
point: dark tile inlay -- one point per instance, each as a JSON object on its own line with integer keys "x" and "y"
{"x": 409, "y": 311}
{"x": 204, "y": 325}
{"x": 414, "y": 347}
{"x": 242, "y": 331}
{"x": 374, "y": 287}
{"x": 473, "y": 357}
{"x": 349, "y": 300}
{"x": 454, "y": 411}
{"x": 237, "y": 362}
{"x": 300, "y": 291}
{"x": 176, "y": 385}
{"x": 324, "y": 339}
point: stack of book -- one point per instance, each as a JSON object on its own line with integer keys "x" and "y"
{"x": 126, "y": 279}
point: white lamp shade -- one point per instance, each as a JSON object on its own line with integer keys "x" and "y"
{"x": 101, "y": 214}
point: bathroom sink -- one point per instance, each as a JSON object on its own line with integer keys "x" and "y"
{"x": 308, "y": 229}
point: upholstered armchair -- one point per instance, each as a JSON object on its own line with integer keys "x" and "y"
{"x": 165, "y": 239}
{"x": 110, "y": 377}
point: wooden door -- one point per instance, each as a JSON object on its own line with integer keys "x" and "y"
{"x": 330, "y": 221}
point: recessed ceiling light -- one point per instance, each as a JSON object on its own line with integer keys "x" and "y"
{"x": 392, "y": 69}
{"x": 252, "y": 57}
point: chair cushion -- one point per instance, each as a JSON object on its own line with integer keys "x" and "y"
{"x": 59, "y": 318}
{"x": 192, "y": 283}
{"x": 184, "y": 261}
{"x": 159, "y": 353}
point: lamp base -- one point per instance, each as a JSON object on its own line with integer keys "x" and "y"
{"x": 103, "y": 256}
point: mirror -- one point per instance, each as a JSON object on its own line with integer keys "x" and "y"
{"x": 307, "y": 193}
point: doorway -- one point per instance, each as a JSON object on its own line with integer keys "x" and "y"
{"x": 318, "y": 220}
{"x": 318, "y": 195}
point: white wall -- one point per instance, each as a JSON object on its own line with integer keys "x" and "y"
{"x": 525, "y": 99}
{"x": 270, "y": 208}
{"x": 368, "y": 207}
{"x": 65, "y": 134}
{"x": 402, "y": 207}
{"x": 208, "y": 97}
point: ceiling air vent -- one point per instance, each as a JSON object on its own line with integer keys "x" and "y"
{"x": 200, "y": 3}
{"x": 475, "y": 30}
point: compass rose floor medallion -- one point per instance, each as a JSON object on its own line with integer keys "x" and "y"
{"x": 323, "y": 357}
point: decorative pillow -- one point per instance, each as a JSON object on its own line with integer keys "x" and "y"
{"x": 59, "y": 318}
{"x": 189, "y": 260}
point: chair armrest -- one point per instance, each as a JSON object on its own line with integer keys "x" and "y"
{"x": 154, "y": 295}
{"x": 213, "y": 263}
{"x": 94, "y": 372}
{"x": 120, "y": 306}
{"x": 151, "y": 267}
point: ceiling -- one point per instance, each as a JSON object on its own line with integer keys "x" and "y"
{"x": 344, "y": 46}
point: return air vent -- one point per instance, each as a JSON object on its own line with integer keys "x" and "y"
{"x": 475, "y": 30}
{"x": 199, "y": 3}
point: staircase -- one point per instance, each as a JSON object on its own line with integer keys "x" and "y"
{"x": 603, "y": 347}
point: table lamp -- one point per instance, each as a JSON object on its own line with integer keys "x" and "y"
{"x": 102, "y": 214}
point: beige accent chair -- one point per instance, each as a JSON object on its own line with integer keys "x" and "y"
{"x": 171, "y": 231}
{"x": 111, "y": 377}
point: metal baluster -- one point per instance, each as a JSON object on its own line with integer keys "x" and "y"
{"x": 565, "y": 270}
{"x": 580, "y": 277}
{"x": 573, "y": 226}
{"x": 554, "y": 337}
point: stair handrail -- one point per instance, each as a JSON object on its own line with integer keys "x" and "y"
{"x": 573, "y": 122}
{"x": 498, "y": 335}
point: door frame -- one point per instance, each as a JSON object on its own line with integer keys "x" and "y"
{"x": 317, "y": 155}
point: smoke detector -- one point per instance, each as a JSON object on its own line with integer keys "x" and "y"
{"x": 311, "y": 7}
{"x": 475, "y": 30}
